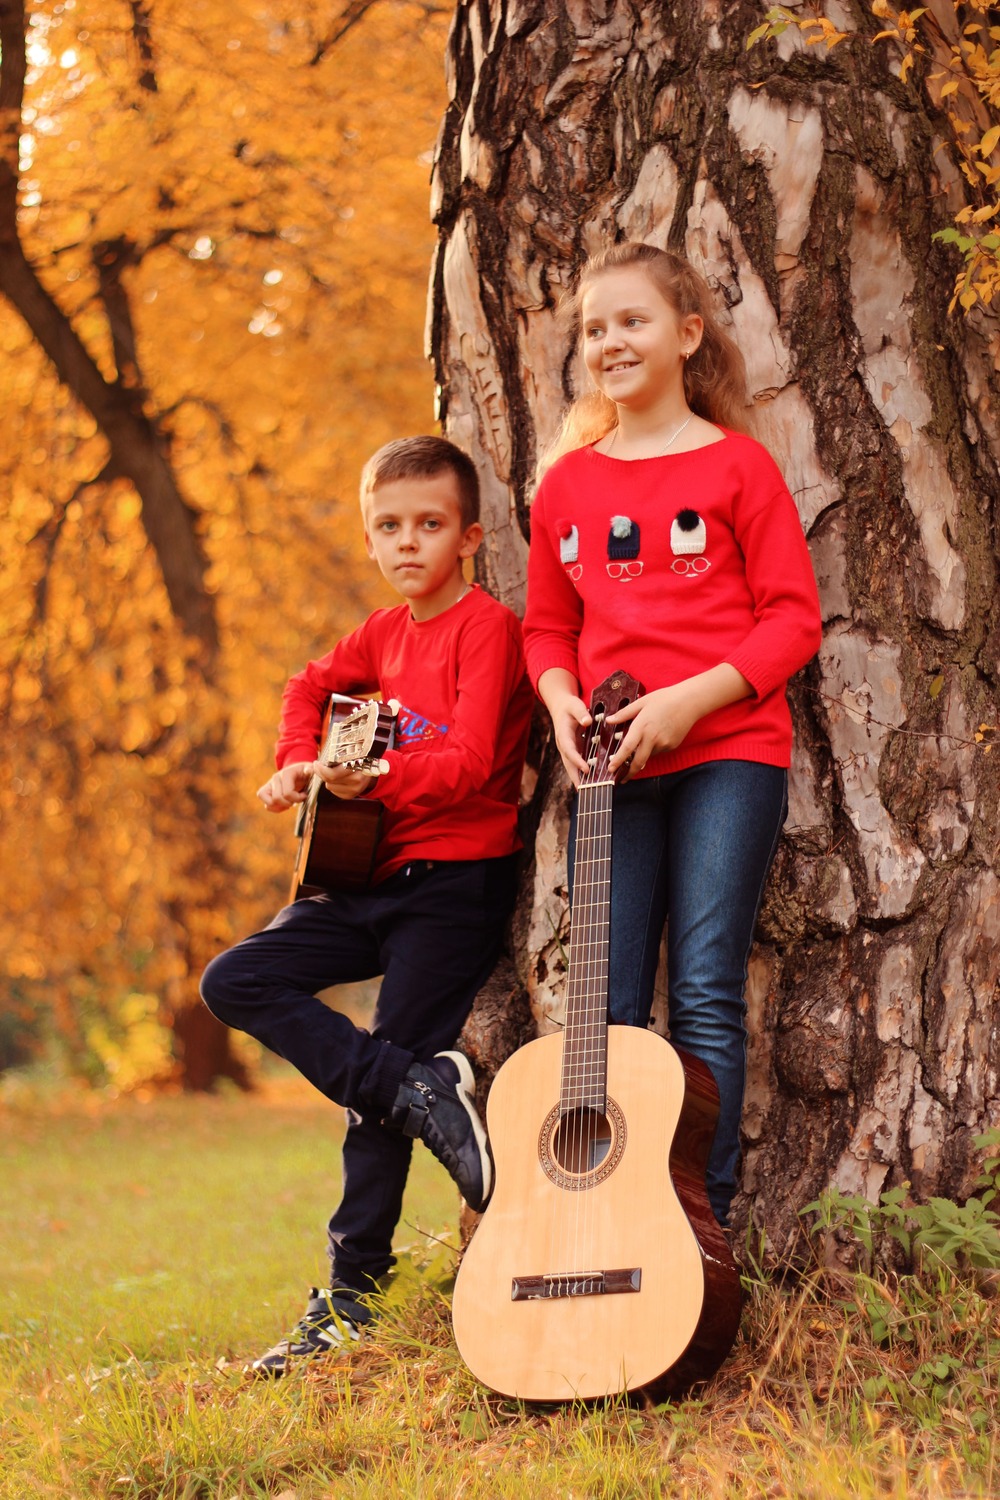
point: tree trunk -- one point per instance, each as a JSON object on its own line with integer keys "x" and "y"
{"x": 806, "y": 186}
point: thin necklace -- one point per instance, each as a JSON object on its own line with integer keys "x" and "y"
{"x": 673, "y": 439}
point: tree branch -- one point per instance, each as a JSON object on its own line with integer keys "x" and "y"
{"x": 353, "y": 12}
{"x": 138, "y": 449}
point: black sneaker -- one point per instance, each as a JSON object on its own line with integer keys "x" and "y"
{"x": 332, "y": 1321}
{"x": 437, "y": 1102}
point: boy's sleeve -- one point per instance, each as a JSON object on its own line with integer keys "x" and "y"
{"x": 780, "y": 575}
{"x": 490, "y": 670}
{"x": 348, "y": 668}
{"x": 554, "y": 612}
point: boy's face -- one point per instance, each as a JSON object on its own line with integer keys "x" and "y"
{"x": 414, "y": 531}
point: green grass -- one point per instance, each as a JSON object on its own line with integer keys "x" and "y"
{"x": 151, "y": 1249}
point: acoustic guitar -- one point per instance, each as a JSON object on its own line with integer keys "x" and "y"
{"x": 598, "y": 1267}
{"x": 338, "y": 836}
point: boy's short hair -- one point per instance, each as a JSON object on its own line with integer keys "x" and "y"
{"x": 423, "y": 458}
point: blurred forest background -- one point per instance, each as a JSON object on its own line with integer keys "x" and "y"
{"x": 214, "y": 248}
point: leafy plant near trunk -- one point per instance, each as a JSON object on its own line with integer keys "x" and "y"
{"x": 957, "y": 60}
{"x": 955, "y": 1237}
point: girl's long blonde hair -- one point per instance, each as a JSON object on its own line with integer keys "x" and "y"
{"x": 714, "y": 375}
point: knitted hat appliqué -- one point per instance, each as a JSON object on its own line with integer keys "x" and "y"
{"x": 688, "y": 539}
{"x": 687, "y": 534}
{"x": 569, "y": 542}
{"x": 623, "y": 549}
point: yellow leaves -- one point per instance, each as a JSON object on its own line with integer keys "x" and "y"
{"x": 26, "y": 689}
{"x": 248, "y": 182}
{"x": 823, "y": 32}
{"x": 964, "y": 80}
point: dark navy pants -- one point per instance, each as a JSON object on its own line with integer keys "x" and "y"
{"x": 433, "y": 930}
{"x": 693, "y": 848}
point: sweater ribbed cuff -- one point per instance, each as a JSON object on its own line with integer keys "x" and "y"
{"x": 565, "y": 660}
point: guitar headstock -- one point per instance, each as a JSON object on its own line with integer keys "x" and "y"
{"x": 358, "y": 740}
{"x": 602, "y": 739}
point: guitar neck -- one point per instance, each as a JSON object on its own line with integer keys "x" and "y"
{"x": 585, "y": 1039}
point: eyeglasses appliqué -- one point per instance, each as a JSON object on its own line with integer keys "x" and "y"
{"x": 685, "y": 565}
{"x": 625, "y": 570}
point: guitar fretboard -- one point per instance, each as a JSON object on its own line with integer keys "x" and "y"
{"x": 585, "y": 1040}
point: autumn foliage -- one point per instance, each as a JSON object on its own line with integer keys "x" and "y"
{"x": 213, "y": 247}
{"x": 952, "y": 51}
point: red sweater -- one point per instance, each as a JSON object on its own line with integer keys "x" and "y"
{"x": 452, "y": 788}
{"x": 666, "y": 567}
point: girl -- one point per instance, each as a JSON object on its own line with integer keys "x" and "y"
{"x": 664, "y": 542}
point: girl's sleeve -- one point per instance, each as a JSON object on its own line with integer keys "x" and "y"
{"x": 780, "y": 576}
{"x": 491, "y": 691}
{"x": 348, "y": 668}
{"x": 554, "y": 613}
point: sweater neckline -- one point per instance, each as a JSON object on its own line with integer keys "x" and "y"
{"x": 470, "y": 593}
{"x": 657, "y": 458}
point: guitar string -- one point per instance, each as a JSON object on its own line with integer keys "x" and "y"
{"x": 596, "y": 1023}
{"x": 593, "y": 1023}
{"x": 572, "y": 1262}
{"x": 568, "y": 1258}
{"x": 585, "y": 1071}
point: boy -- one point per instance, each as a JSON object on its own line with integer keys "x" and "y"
{"x": 431, "y": 922}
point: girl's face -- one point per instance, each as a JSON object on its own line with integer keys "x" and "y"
{"x": 634, "y": 340}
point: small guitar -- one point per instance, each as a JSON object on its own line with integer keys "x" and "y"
{"x": 338, "y": 836}
{"x": 599, "y": 1266}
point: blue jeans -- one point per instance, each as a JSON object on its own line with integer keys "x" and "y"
{"x": 694, "y": 847}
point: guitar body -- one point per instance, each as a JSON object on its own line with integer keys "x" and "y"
{"x": 336, "y": 846}
{"x": 338, "y": 837}
{"x": 531, "y": 1316}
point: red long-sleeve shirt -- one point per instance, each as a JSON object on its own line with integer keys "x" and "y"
{"x": 451, "y": 791}
{"x": 665, "y": 567}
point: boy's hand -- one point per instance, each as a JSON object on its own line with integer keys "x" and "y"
{"x": 286, "y": 787}
{"x": 342, "y": 781}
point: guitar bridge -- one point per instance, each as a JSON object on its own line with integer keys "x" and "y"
{"x": 575, "y": 1284}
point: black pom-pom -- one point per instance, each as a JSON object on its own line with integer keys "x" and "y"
{"x": 688, "y": 520}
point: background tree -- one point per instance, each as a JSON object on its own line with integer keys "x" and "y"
{"x": 807, "y": 185}
{"x": 213, "y": 250}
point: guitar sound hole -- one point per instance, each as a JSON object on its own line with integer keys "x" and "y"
{"x": 581, "y": 1141}
{"x": 579, "y": 1148}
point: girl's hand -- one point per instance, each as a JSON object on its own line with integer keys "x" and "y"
{"x": 560, "y": 692}
{"x": 568, "y": 719}
{"x": 660, "y": 721}
{"x": 286, "y": 787}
